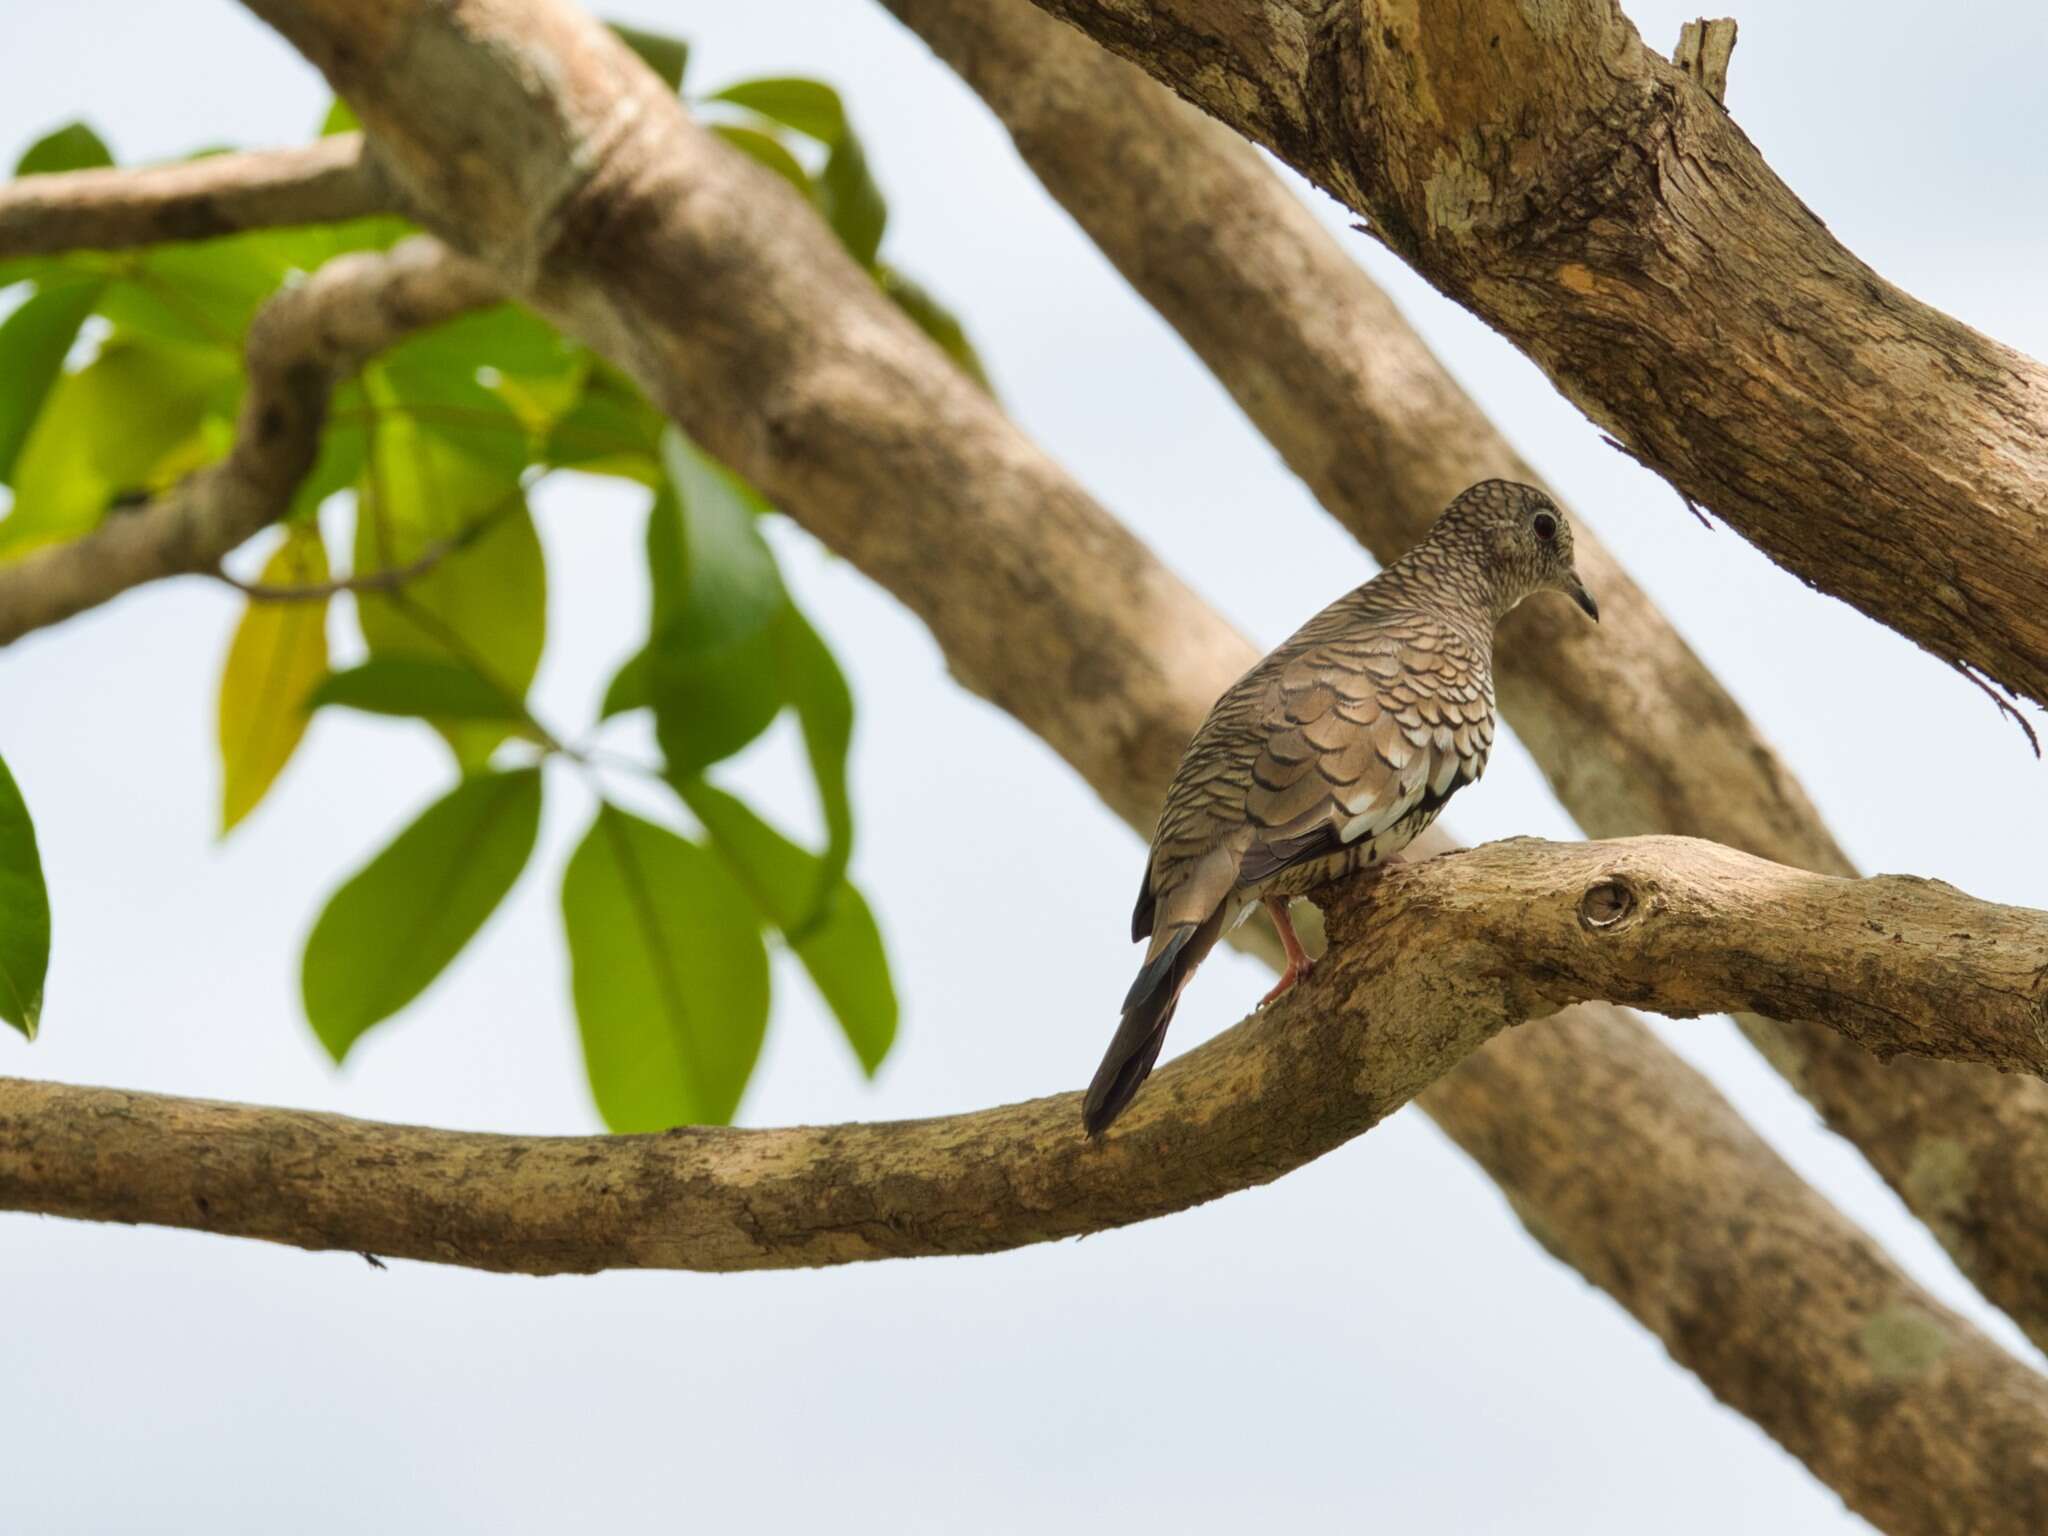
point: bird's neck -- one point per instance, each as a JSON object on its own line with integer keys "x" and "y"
{"x": 1455, "y": 583}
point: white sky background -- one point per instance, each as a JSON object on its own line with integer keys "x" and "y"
{"x": 1372, "y": 1339}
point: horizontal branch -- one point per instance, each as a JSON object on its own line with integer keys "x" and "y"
{"x": 106, "y": 210}
{"x": 299, "y": 344}
{"x": 1438, "y": 957}
{"x": 1633, "y": 731}
{"x": 1601, "y": 210}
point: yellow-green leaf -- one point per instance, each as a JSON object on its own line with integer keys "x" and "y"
{"x": 124, "y": 425}
{"x": 668, "y": 973}
{"x": 24, "y": 913}
{"x": 394, "y": 927}
{"x": 279, "y": 653}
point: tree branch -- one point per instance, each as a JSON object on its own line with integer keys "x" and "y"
{"x": 1586, "y": 199}
{"x": 299, "y": 343}
{"x": 1423, "y": 967}
{"x": 195, "y": 200}
{"x": 1632, "y": 730}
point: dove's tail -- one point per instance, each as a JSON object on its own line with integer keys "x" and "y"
{"x": 1148, "y": 1009}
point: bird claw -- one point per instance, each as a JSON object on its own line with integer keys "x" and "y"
{"x": 1296, "y": 970}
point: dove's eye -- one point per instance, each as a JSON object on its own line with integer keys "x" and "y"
{"x": 1545, "y": 527}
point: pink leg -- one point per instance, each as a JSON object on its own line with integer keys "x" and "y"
{"x": 1298, "y": 962}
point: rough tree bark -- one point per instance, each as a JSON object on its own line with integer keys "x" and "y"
{"x": 1579, "y": 193}
{"x": 1632, "y": 730}
{"x": 1425, "y": 965}
{"x": 299, "y": 344}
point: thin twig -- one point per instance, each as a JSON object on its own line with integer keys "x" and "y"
{"x": 390, "y": 579}
{"x": 2005, "y": 706}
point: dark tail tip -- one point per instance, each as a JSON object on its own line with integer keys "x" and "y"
{"x": 1148, "y": 1009}
{"x": 1118, "y": 1080}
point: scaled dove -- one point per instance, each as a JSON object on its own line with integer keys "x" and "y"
{"x": 1333, "y": 753}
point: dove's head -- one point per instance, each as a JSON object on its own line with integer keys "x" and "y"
{"x": 1520, "y": 539}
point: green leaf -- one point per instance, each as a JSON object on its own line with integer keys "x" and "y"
{"x": 485, "y": 603}
{"x": 125, "y": 425}
{"x": 340, "y": 118}
{"x": 279, "y": 650}
{"x": 611, "y": 429}
{"x": 851, "y": 202}
{"x": 668, "y": 57}
{"x": 812, "y": 681}
{"x": 935, "y": 320}
{"x": 74, "y": 147}
{"x": 811, "y": 107}
{"x": 668, "y": 973}
{"x": 203, "y": 294}
{"x": 713, "y": 664}
{"x": 728, "y": 584}
{"x": 767, "y": 149}
{"x": 24, "y": 913}
{"x": 422, "y": 687}
{"x": 395, "y": 925}
{"x": 34, "y": 341}
{"x": 839, "y": 944}
{"x": 449, "y": 375}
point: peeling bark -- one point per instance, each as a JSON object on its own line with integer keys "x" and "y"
{"x": 1538, "y": 164}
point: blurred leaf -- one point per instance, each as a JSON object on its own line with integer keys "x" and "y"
{"x": 668, "y": 57}
{"x": 710, "y": 701}
{"x": 395, "y": 925}
{"x": 504, "y": 353}
{"x": 811, "y": 107}
{"x": 34, "y": 341}
{"x": 24, "y": 913}
{"x": 279, "y": 651}
{"x": 712, "y": 570}
{"x": 935, "y": 320}
{"x": 812, "y": 681}
{"x": 769, "y": 150}
{"x": 837, "y": 942}
{"x": 203, "y": 294}
{"x": 851, "y": 202}
{"x": 709, "y": 669}
{"x": 713, "y": 662}
{"x": 336, "y": 466}
{"x": 423, "y": 687}
{"x": 668, "y": 973}
{"x": 630, "y": 687}
{"x": 611, "y": 429}
{"x": 107, "y": 432}
{"x": 485, "y": 604}
{"x": 340, "y": 118}
{"x": 74, "y": 147}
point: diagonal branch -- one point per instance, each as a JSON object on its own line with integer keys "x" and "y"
{"x": 196, "y": 200}
{"x": 299, "y": 344}
{"x": 1423, "y": 967}
{"x": 1600, "y": 209}
{"x": 1633, "y": 731}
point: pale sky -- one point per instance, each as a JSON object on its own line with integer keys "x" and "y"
{"x": 1373, "y": 1338}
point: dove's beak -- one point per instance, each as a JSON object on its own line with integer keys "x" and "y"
{"x": 1577, "y": 593}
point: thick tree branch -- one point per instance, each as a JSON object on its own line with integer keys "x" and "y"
{"x": 1571, "y": 187}
{"x": 1423, "y": 967}
{"x": 1634, "y": 733}
{"x": 299, "y": 344}
{"x": 196, "y": 200}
